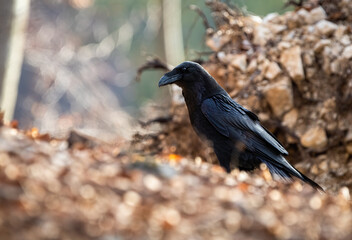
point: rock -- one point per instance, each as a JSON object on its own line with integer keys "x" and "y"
{"x": 325, "y": 27}
{"x": 347, "y": 52}
{"x": 326, "y": 66}
{"x": 271, "y": 17}
{"x": 331, "y": 126}
{"x": 319, "y": 46}
{"x": 335, "y": 66}
{"x": 291, "y": 60}
{"x": 272, "y": 70}
{"x": 314, "y": 169}
{"x": 324, "y": 165}
{"x": 261, "y": 35}
{"x": 308, "y": 58}
{"x": 263, "y": 116}
{"x": 341, "y": 31}
{"x": 293, "y": 21}
{"x": 315, "y": 15}
{"x": 314, "y": 138}
{"x": 261, "y": 58}
{"x": 348, "y": 137}
{"x": 349, "y": 148}
{"x": 283, "y": 45}
{"x": 326, "y": 60}
{"x": 239, "y": 61}
{"x": 217, "y": 40}
{"x": 345, "y": 123}
{"x": 290, "y": 118}
{"x": 264, "y": 65}
{"x": 252, "y": 102}
{"x": 252, "y": 66}
{"x": 310, "y": 29}
{"x": 345, "y": 40}
{"x": 279, "y": 96}
{"x": 336, "y": 49}
{"x": 310, "y": 72}
{"x": 223, "y": 57}
{"x": 290, "y": 36}
{"x": 334, "y": 165}
{"x": 304, "y": 15}
{"x": 329, "y": 107}
{"x": 277, "y": 28}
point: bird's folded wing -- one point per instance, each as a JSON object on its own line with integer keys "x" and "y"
{"x": 227, "y": 116}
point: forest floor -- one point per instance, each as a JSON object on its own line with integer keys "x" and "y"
{"x": 80, "y": 188}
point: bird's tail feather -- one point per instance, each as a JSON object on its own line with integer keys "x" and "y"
{"x": 286, "y": 174}
{"x": 277, "y": 173}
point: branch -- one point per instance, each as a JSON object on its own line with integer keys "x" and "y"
{"x": 202, "y": 15}
{"x": 152, "y": 63}
{"x": 162, "y": 120}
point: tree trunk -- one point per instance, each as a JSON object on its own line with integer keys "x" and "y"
{"x": 173, "y": 39}
{"x": 13, "y": 24}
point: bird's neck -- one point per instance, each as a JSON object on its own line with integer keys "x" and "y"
{"x": 194, "y": 95}
{"x": 193, "y": 103}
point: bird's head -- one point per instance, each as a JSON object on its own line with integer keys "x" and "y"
{"x": 186, "y": 75}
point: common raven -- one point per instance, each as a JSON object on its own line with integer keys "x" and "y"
{"x": 238, "y": 138}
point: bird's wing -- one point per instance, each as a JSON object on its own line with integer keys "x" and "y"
{"x": 234, "y": 121}
{"x": 228, "y": 117}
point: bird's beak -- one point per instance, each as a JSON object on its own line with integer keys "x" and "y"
{"x": 165, "y": 80}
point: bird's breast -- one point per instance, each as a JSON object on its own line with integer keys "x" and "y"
{"x": 203, "y": 127}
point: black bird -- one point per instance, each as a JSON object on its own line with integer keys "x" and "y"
{"x": 238, "y": 138}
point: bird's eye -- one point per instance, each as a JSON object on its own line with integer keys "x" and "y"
{"x": 184, "y": 69}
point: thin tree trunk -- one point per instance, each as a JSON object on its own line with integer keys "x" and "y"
{"x": 172, "y": 24}
{"x": 13, "y": 24}
{"x": 173, "y": 38}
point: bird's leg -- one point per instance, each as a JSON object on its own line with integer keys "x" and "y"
{"x": 224, "y": 157}
{"x": 235, "y": 160}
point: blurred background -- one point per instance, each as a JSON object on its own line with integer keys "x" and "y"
{"x": 74, "y": 62}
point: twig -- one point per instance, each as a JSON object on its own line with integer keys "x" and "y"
{"x": 202, "y": 15}
{"x": 294, "y": 3}
{"x": 152, "y": 63}
{"x": 200, "y": 53}
{"x": 156, "y": 120}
